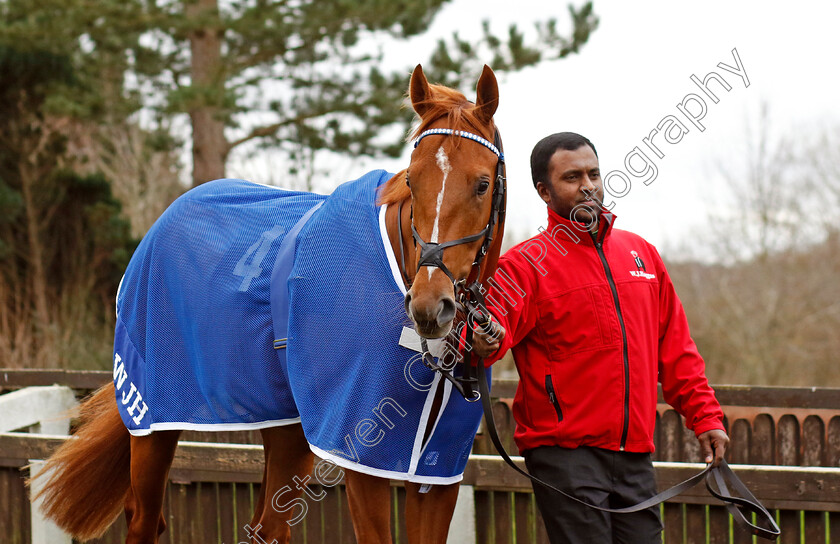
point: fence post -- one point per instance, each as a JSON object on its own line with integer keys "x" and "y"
{"x": 43, "y": 530}
{"x": 462, "y": 528}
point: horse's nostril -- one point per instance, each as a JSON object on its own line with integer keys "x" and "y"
{"x": 407, "y": 303}
{"x": 446, "y": 312}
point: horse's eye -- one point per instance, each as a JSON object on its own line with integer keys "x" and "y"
{"x": 482, "y": 187}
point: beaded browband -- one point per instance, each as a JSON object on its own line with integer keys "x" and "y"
{"x": 462, "y": 134}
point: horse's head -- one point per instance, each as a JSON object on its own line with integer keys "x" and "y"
{"x": 456, "y": 178}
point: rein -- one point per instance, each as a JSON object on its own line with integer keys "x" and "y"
{"x": 737, "y": 506}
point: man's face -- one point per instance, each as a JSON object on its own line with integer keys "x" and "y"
{"x": 571, "y": 175}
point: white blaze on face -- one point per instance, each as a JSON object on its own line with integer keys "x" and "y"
{"x": 443, "y": 164}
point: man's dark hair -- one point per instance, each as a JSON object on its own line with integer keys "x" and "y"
{"x": 545, "y": 149}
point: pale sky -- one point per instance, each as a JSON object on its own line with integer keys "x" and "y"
{"x": 633, "y": 73}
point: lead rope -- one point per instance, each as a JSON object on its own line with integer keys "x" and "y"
{"x": 737, "y": 506}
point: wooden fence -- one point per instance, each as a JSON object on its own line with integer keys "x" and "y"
{"x": 785, "y": 447}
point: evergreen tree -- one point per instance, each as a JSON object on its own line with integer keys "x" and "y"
{"x": 289, "y": 74}
{"x": 63, "y": 241}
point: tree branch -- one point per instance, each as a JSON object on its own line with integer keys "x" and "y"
{"x": 270, "y": 130}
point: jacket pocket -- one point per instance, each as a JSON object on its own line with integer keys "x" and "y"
{"x": 552, "y": 397}
{"x": 576, "y": 321}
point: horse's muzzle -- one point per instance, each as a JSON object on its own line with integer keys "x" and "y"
{"x": 432, "y": 318}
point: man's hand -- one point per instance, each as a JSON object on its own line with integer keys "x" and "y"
{"x": 485, "y": 344}
{"x": 713, "y": 445}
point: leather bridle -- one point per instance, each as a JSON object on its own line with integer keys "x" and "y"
{"x": 431, "y": 254}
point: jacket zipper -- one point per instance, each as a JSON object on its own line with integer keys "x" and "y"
{"x": 549, "y": 388}
{"x": 598, "y": 246}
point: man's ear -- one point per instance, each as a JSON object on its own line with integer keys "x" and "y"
{"x": 542, "y": 190}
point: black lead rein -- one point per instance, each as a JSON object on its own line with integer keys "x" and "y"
{"x": 737, "y": 506}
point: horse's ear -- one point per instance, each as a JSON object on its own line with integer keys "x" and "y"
{"x": 487, "y": 99}
{"x": 419, "y": 91}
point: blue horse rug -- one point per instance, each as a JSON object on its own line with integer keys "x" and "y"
{"x": 247, "y": 306}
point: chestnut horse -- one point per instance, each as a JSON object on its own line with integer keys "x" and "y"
{"x": 447, "y": 194}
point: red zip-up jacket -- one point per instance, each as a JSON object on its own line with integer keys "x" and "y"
{"x": 594, "y": 324}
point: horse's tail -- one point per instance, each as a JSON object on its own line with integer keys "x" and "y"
{"x": 88, "y": 476}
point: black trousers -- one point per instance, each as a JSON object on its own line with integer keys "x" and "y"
{"x": 605, "y": 478}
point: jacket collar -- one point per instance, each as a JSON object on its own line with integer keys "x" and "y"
{"x": 605, "y": 224}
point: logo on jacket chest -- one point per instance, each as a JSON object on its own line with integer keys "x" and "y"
{"x": 641, "y": 271}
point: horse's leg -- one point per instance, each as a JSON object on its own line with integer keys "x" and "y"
{"x": 287, "y": 455}
{"x": 151, "y": 457}
{"x": 370, "y": 507}
{"x": 428, "y": 515}
{"x": 258, "y": 509}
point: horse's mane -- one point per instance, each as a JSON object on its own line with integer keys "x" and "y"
{"x": 460, "y": 115}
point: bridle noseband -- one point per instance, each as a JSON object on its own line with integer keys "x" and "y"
{"x": 431, "y": 254}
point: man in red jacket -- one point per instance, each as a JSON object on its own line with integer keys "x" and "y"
{"x": 594, "y": 323}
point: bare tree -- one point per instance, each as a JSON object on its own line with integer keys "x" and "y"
{"x": 769, "y": 311}
{"x": 144, "y": 177}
